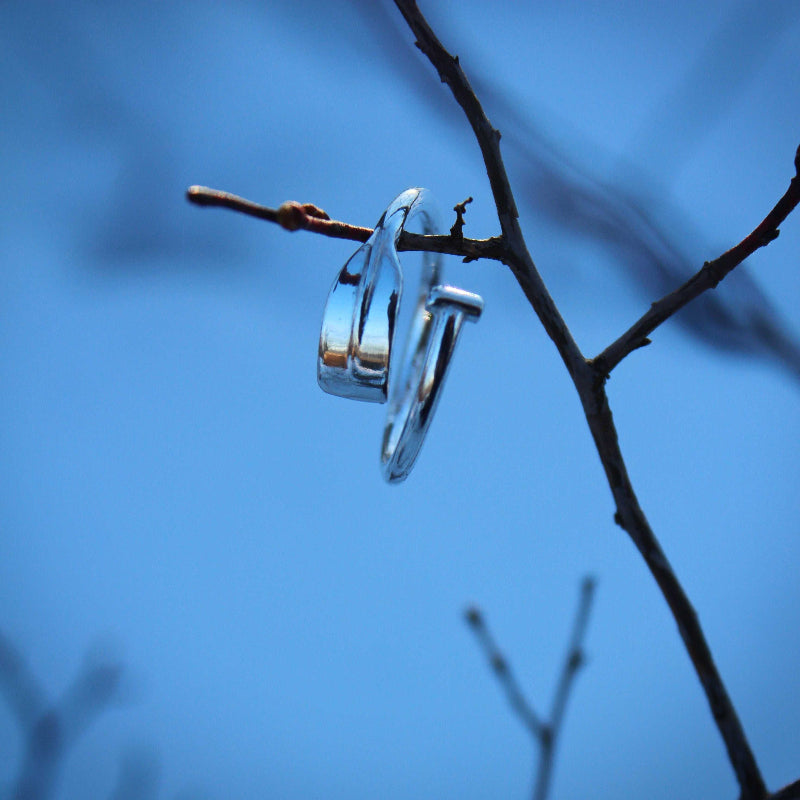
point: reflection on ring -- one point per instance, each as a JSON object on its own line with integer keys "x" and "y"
{"x": 358, "y": 330}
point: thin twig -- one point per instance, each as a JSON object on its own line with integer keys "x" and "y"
{"x": 574, "y": 660}
{"x": 508, "y": 681}
{"x": 457, "y": 231}
{"x": 293, "y": 216}
{"x": 50, "y": 730}
{"x": 708, "y": 277}
{"x": 545, "y": 733}
{"x": 517, "y": 257}
{"x": 575, "y": 656}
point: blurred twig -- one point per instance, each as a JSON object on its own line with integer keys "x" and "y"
{"x": 544, "y": 732}
{"x": 50, "y": 729}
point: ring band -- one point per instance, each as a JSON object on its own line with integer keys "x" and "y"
{"x": 358, "y": 327}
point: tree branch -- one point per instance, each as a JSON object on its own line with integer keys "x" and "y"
{"x": 575, "y": 657}
{"x": 708, "y": 277}
{"x": 545, "y": 733}
{"x": 508, "y": 681}
{"x": 631, "y": 518}
{"x": 590, "y": 386}
{"x": 294, "y": 216}
{"x": 790, "y": 792}
{"x": 517, "y": 257}
{"x": 50, "y": 730}
{"x": 588, "y": 376}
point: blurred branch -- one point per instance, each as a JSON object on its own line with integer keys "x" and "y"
{"x": 544, "y": 733}
{"x": 49, "y": 730}
{"x": 497, "y": 661}
{"x": 24, "y": 695}
{"x": 708, "y": 277}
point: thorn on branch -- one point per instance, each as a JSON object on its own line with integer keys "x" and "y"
{"x": 457, "y": 231}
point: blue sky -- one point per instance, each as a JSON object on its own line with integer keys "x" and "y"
{"x": 178, "y": 491}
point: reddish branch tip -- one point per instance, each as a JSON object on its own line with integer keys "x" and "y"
{"x": 197, "y": 195}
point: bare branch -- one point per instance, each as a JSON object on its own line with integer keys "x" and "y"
{"x": 49, "y": 730}
{"x": 497, "y": 661}
{"x": 588, "y": 376}
{"x": 589, "y": 383}
{"x": 488, "y": 138}
{"x": 293, "y": 216}
{"x": 575, "y": 658}
{"x": 573, "y": 662}
{"x": 790, "y": 792}
{"x": 545, "y": 733}
{"x": 517, "y": 257}
{"x": 632, "y": 519}
{"x": 708, "y": 277}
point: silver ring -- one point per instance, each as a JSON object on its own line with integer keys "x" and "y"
{"x": 358, "y": 326}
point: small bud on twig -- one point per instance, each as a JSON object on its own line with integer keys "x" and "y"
{"x": 292, "y": 216}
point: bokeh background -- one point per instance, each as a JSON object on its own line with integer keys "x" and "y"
{"x": 179, "y": 497}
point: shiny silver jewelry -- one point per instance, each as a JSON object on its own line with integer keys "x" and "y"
{"x": 358, "y": 326}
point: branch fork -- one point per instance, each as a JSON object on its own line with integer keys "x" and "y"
{"x": 588, "y": 375}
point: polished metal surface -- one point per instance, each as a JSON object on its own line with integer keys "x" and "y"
{"x": 357, "y": 340}
{"x": 415, "y": 393}
{"x": 358, "y": 324}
